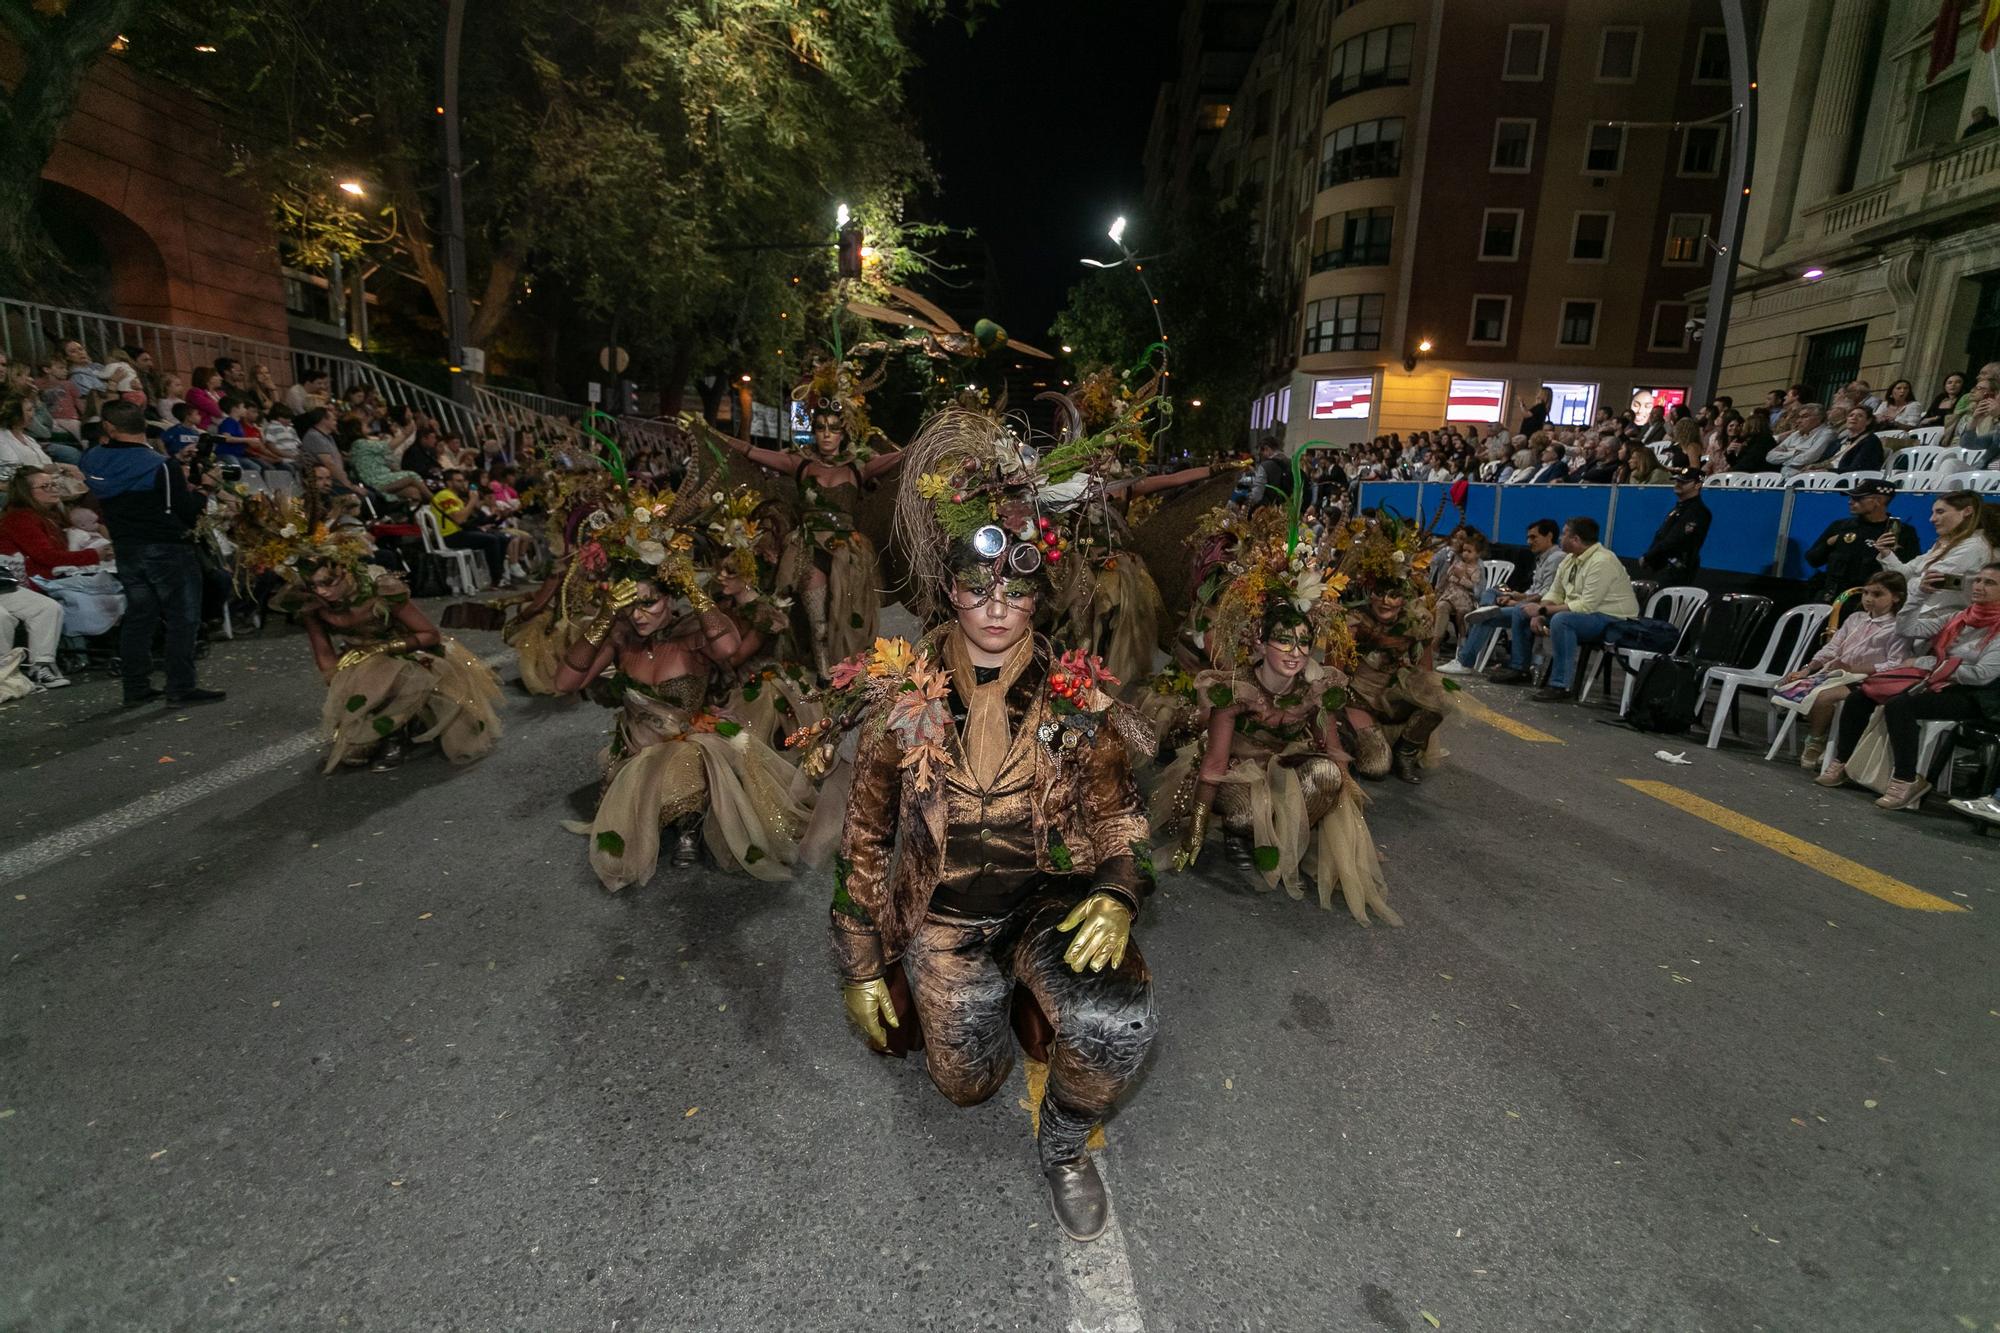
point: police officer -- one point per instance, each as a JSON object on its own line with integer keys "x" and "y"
{"x": 1847, "y": 547}
{"x": 1675, "y": 555}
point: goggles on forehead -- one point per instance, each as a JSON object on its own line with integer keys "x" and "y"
{"x": 991, "y": 543}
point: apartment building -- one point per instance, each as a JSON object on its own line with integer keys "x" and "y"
{"x": 1872, "y": 241}
{"x": 1460, "y": 204}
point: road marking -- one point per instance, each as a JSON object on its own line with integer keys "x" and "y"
{"x": 1514, "y": 727}
{"x": 1851, "y": 873}
{"x": 64, "y": 843}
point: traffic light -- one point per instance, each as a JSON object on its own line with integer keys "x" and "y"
{"x": 850, "y": 251}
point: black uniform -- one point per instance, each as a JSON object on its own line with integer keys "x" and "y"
{"x": 1675, "y": 554}
{"x": 1847, "y": 551}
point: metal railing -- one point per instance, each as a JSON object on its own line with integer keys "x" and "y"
{"x": 31, "y": 331}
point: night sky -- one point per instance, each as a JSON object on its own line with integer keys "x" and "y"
{"x": 1037, "y": 127}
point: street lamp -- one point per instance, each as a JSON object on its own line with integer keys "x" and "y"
{"x": 1117, "y": 233}
{"x": 355, "y": 188}
{"x": 840, "y": 216}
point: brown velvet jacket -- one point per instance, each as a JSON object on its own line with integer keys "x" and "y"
{"x": 1089, "y": 822}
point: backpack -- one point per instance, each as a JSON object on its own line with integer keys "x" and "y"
{"x": 1666, "y": 695}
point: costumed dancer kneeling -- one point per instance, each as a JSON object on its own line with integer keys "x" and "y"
{"x": 671, "y": 763}
{"x": 393, "y": 679}
{"x": 1268, "y": 759}
{"x": 1396, "y": 689}
{"x": 995, "y": 849}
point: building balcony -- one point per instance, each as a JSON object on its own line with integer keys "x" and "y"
{"x": 1942, "y": 188}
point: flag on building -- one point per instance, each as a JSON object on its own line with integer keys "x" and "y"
{"x": 1989, "y": 25}
{"x": 1944, "y": 39}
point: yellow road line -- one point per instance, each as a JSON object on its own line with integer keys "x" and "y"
{"x": 1479, "y": 712}
{"x": 1851, "y": 873}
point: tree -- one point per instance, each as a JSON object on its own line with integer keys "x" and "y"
{"x": 1201, "y": 263}
{"x": 59, "y": 41}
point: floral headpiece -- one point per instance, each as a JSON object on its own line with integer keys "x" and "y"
{"x": 1297, "y": 585}
{"x": 1384, "y": 555}
{"x": 282, "y": 536}
{"x": 840, "y": 387}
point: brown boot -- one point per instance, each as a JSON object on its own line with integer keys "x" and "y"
{"x": 1409, "y": 764}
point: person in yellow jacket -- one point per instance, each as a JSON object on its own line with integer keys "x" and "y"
{"x": 1592, "y": 592}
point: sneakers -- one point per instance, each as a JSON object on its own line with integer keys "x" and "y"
{"x": 45, "y": 675}
{"x": 1456, "y": 668}
{"x": 1484, "y": 613}
{"x": 1985, "y": 808}
{"x": 1814, "y": 752}
{"x": 1903, "y": 795}
{"x": 1835, "y": 775}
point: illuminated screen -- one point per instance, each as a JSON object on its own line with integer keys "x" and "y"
{"x": 1343, "y": 400}
{"x": 1475, "y": 400}
{"x": 1571, "y": 404}
{"x": 1645, "y": 400}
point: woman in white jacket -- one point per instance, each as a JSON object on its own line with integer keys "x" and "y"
{"x": 1968, "y": 536}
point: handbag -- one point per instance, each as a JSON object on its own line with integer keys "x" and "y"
{"x": 14, "y": 683}
{"x": 1898, "y": 681}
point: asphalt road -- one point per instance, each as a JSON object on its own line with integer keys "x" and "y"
{"x": 375, "y": 1052}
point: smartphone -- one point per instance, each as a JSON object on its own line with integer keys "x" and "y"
{"x": 1951, "y": 581}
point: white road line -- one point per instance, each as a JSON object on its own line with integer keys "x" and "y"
{"x": 45, "y": 852}
{"x": 1101, "y": 1296}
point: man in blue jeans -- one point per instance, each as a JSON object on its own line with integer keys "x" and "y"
{"x": 1591, "y": 592}
{"x": 151, "y": 511}
{"x": 1544, "y": 543}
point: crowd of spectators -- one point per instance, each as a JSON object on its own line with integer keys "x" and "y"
{"x": 120, "y": 478}
{"x": 1789, "y": 433}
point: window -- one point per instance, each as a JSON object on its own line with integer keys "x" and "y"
{"x": 1711, "y": 57}
{"x": 1578, "y": 326}
{"x": 1513, "y": 145}
{"x": 1618, "y": 55}
{"x": 1527, "y": 52}
{"x": 1377, "y": 59}
{"x": 1670, "y": 332}
{"x": 1260, "y": 125}
{"x": 1684, "y": 233}
{"x": 1938, "y": 108}
{"x": 1832, "y": 361}
{"x": 1344, "y": 324}
{"x": 1604, "y": 150}
{"x": 1212, "y": 116}
{"x": 1500, "y": 234}
{"x": 1345, "y": 240}
{"x": 1371, "y": 149}
{"x": 1701, "y": 150}
{"x": 1489, "y": 319}
{"x": 1590, "y": 238}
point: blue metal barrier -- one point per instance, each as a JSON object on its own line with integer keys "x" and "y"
{"x": 1755, "y": 532}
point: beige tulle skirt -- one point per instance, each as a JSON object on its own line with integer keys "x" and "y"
{"x": 1121, "y": 623}
{"x": 774, "y": 703}
{"x": 539, "y": 647}
{"x": 854, "y": 588}
{"x": 449, "y": 694}
{"x": 1303, "y": 818}
{"x": 663, "y": 766}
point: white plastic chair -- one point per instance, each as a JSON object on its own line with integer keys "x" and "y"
{"x": 1494, "y": 574}
{"x": 1808, "y": 619}
{"x": 1987, "y": 482}
{"x": 1673, "y": 604}
{"x": 461, "y": 567}
{"x": 1917, "y": 460}
{"x": 1823, "y": 481}
{"x": 1927, "y": 434}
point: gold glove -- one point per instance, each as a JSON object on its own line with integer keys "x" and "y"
{"x": 617, "y": 598}
{"x": 1197, "y": 831}
{"x": 1103, "y": 928}
{"x": 356, "y": 656}
{"x": 868, "y": 1008}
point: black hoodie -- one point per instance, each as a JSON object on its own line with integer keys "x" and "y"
{"x": 142, "y": 493}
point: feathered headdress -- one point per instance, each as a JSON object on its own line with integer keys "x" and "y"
{"x": 1273, "y": 582}
{"x": 842, "y": 388}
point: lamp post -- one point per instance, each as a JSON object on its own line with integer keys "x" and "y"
{"x": 1117, "y": 234}
{"x": 1743, "y": 147}
{"x": 458, "y": 313}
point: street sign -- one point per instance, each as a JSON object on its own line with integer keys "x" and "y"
{"x": 605, "y": 356}
{"x": 594, "y": 392}
{"x": 473, "y": 359}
